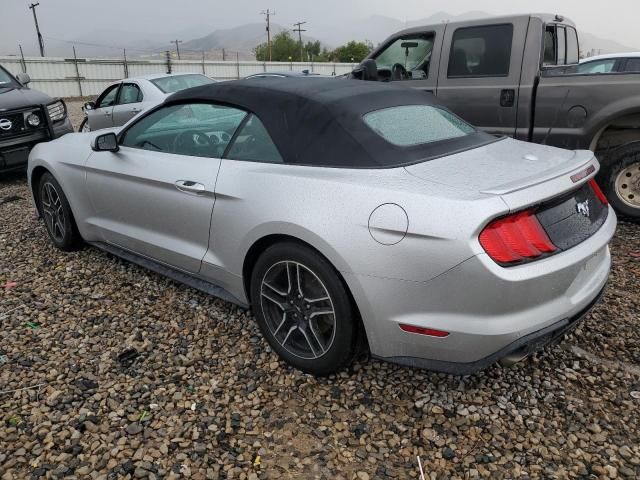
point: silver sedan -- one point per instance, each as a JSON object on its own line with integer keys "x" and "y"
{"x": 348, "y": 215}
{"x": 124, "y": 99}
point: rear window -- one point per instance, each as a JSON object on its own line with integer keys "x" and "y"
{"x": 411, "y": 125}
{"x": 175, "y": 83}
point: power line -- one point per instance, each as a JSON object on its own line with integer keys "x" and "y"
{"x": 300, "y": 30}
{"x": 268, "y": 14}
{"x": 177, "y": 42}
{"x": 32, "y": 7}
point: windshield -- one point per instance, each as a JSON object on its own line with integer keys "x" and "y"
{"x": 6, "y": 80}
{"x": 175, "y": 83}
{"x": 410, "y": 125}
{"x": 413, "y": 53}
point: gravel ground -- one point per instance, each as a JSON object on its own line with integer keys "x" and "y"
{"x": 110, "y": 371}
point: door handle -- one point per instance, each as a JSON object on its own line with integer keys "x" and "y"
{"x": 188, "y": 186}
{"x": 507, "y": 97}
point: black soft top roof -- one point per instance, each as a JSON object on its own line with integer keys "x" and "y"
{"x": 318, "y": 121}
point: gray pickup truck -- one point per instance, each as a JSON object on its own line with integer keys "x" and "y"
{"x": 513, "y": 76}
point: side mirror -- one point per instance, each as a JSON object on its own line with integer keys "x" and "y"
{"x": 89, "y": 106}
{"x": 23, "y": 78}
{"x": 107, "y": 142}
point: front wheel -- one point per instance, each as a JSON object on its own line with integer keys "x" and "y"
{"x": 84, "y": 126}
{"x": 303, "y": 309}
{"x": 54, "y": 208}
{"x": 620, "y": 178}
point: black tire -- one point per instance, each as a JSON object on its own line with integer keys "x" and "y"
{"x": 319, "y": 274}
{"x": 83, "y": 124}
{"x": 624, "y": 158}
{"x": 57, "y": 215}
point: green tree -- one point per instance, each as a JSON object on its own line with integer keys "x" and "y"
{"x": 352, "y": 52}
{"x": 283, "y": 49}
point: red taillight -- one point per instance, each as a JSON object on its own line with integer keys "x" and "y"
{"x": 430, "y": 332}
{"x": 596, "y": 189}
{"x": 516, "y": 238}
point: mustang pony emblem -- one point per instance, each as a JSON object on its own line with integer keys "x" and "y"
{"x": 583, "y": 208}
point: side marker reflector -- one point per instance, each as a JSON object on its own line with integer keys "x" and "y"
{"x": 429, "y": 332}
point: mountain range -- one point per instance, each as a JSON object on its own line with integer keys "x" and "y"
{"x": 244, "y": 38}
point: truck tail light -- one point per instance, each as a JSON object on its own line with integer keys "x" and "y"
{"x": 516, "y": 238}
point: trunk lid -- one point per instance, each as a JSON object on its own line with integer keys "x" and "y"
{"x": 521, "y": 173}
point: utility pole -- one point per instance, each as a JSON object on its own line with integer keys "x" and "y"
{"x": 35, "y": 19}
{"x": 177, "y": 42}
{"x": 268, "y": 14}
{"x": 300, "y": 30}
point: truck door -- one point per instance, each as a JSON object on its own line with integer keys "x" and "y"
{"x": 479, "y": 75}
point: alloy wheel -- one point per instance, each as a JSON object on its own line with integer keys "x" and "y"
{"x": 53, "y": 211}
{"x": 298, "y": 309}
{"x": 628, "y": 185}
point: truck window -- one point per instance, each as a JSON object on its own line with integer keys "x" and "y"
{"x": 412, "y": 52}
{"x": 481, "y": 51}
{"x": 573, "y": 51}
{"x": 560, "y": 45}
{"x": 550, "y": 45}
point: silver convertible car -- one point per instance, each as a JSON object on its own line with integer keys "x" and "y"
{"x": 345, "y": 214}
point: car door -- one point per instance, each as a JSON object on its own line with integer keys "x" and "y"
{"x": 102, "y": 115}
{"x": 128, "y": 104}
{"x": 479, "y": 77}
{"x": 155, "y": 195}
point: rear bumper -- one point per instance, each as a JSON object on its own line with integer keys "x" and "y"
{"x": 489, "y": 311}
{"x": 521, "y": 348}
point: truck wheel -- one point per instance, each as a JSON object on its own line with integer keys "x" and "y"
{"x": 620, "y": 179}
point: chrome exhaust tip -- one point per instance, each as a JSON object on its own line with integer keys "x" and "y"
{"x": 513, "y": 358}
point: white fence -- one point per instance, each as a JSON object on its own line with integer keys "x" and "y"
{"x": 69, "y": 77}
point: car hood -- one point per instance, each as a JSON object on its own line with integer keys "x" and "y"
{"x": 11, "y": 98}
{"x": 508, "y": 168}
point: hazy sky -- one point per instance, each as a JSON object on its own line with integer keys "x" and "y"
{"x": 67, "y": 19}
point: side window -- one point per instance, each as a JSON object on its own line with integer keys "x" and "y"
{"x": 129, "y": 93}
{"x": 481, "y": 51}
{"x": 573, "y": 51}
{"x": 550, "y": 45}
{"x": 194, "y": 129}
{"x": 108, "y": 97}
{"x": 562, "y": 45}
{"x": 412, "y": 52}
{"x": 253, "y": 143}
{"x": 598, "y": 66}
{"x": 633, "y": 65}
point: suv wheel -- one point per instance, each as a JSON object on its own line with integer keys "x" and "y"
{"x": 303, "y": 309}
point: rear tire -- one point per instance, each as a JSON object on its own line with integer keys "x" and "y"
{"x": 303, "y": 309}
{"x": 56, "y": 212}
{"x": 620, "y": 180}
